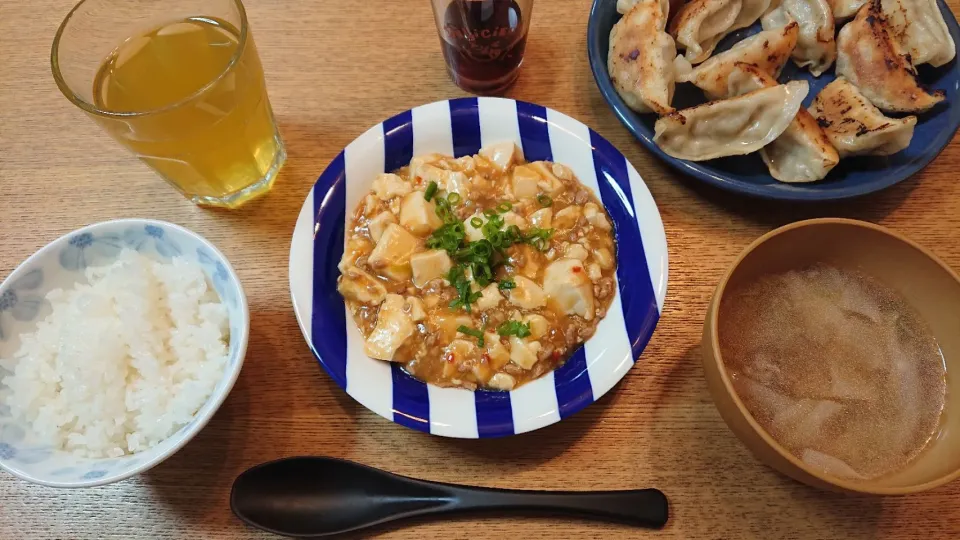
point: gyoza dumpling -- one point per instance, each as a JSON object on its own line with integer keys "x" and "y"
{"x": 700, "y": 24}
{"x": 870, "y": 57}
{"x": 769, "y": 50}
{"x": 802, "y": 153}
{"x": 624, "y": 7}
{"x": 854, "y": 126}
{"x": 919, "y": 27}
{"x": 816, "y": 48}
{"x": 641, "y": 58}
{"x": 730, "y": 127}
{"x": 844, "y": 9}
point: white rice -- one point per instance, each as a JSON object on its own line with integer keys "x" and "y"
{"x": 122, "y": 362}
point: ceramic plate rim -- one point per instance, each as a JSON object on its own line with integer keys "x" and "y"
{"x": 321, "y": 197}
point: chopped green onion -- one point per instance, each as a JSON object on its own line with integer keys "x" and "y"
{"x": 449, "y": 243}
{"x": 507, "y": 284}
{"x": 544, "y": 200}
{"x": 476, "y": 222}
{"x": 514, "y": 328}
{"x": 482, "y": 249}
{"x": 511, "y": 236}
{"x": 490, "y": 213}
{"x": 458, "y": 278}
{"x": 453, "y": 198}
{"x": 443, "y": 212}
{"x": 472, "y": 332}
{"x": 431, "y": 191}
{"x": 504, "y": 207}
{"x": 483, "y": 274}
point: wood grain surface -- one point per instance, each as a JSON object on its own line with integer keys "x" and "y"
{"x": 333, "y": 69}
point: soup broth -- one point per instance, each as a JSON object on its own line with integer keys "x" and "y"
{"x": 835, "y": 366}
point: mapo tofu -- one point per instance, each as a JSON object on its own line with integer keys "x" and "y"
{"x": 480, "y": 271}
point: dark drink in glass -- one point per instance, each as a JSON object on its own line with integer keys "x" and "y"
{"x": 483, "y": 41}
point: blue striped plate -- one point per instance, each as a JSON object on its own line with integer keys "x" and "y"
{"x": 460, "y": 127}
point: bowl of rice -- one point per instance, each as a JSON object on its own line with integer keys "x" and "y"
{"x": 118, "y": 343}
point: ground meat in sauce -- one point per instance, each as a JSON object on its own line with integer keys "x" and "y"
{"x": 435, "y": 350}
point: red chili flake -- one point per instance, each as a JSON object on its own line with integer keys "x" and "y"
{"x": 556, "y": 355}
{"x": 577, "y": 269}
{"x": 449, "y": 357}
{"x": 484, "y": 358}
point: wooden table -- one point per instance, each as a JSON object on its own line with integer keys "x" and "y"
{"x": 333, "y": 70}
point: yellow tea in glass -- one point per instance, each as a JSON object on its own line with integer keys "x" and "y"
{"x": 180, "y": 84}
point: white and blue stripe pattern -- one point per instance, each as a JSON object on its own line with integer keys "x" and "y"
{"x": 460, "y": 127}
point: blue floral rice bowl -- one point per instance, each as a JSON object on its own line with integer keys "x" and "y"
{"x": 61, "y": 264}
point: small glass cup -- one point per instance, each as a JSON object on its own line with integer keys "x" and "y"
{"x": 483, "y": 41}
{"x": 180, "y": 84}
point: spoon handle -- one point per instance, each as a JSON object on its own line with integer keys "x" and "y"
{"x": 643, "y": 507}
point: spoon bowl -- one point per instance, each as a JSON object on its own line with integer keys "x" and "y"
{"x": 320, "y": 496}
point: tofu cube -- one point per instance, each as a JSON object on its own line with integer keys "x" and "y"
{"x": 548, "y": 182}
{"x": 417, "y": 163}
{"x": 596, "y": 217}
{"x": 474, "y": 234}
{"x": 512, "y": 218}
{"x": 389, "y": 185}
{"x": 575, "y": 251}
{"x": 527, "y": 294}
{"x": 379, "y": 223}
{"x": 359, "y": 286}
{"x": 603, "y": 257}
{"x": 568, "y": 286}
{"x": 538, "y": 325}
{"x": 489, "y": 297}
{"x": 449, "y": 181}
{"x": 542, "y": 218}
{"x": 499, "y": 355}
{"x": 391, "y": 256}
{"x": 568, "y": 217}
{"x": 392, "y": 329}
{"x": 524, "y": 182}
{"x": 419, "y": 215}
{"x": 523, "y": 353}
{"x": 429, "y": 265}
{"x": 414, "y": 307}
{"x": 594, "y": 272}
{"x": 502, "y": 381}
{"x": 502, "y": 154}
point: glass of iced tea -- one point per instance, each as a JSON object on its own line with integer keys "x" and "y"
{"x": 483, "y": 41}
{"x": 180, "y": 84}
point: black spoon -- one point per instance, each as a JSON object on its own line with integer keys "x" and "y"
{"x": 319, "y": 496}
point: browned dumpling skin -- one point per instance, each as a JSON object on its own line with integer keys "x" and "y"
{"x": 844, "y": 9}
{"x": 640, "y": 60}
{"x": 700, "y": 24}
{"x": 768, "y": 50}
{"x": 816, "y": 47}
{"x": 729, "y": 127}
{"x": 854, "y": 126}
{"x": 920, "y": 28}
{"x": 802, "y": 153}
{"x": 870, "y": 57}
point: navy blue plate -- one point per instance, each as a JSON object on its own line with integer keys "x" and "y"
{"x": 747, "y": 174}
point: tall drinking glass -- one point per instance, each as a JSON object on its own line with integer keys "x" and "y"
{"x": 483, "y": 41}
{"x": 179, "y": 83}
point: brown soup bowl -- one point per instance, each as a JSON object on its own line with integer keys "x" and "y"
{"x": 930, "y": 286}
